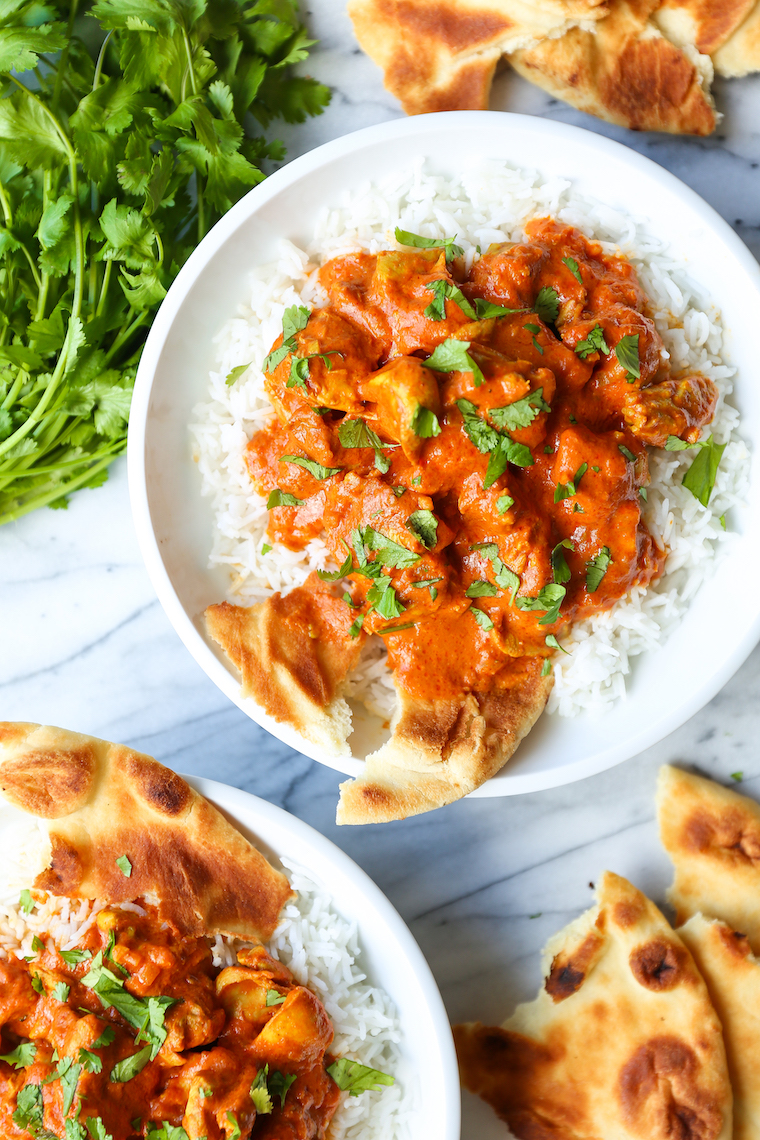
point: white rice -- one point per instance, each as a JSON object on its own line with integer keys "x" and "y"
{"x": 313, "y": 940}
{"x": 490, "y": 203}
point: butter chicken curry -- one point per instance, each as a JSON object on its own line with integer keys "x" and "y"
{"x": 135, "y": 1033}
{"x": 472, "y": 447}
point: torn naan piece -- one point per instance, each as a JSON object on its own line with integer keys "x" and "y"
{"x": 294, "y": 653}
{"x": 101, "y": 802}
{"x": 712, "y": 834}
{"x": 440, "y": 751}
{"x": 740, "y": 54}
{"x": 621, "y": 1043}
{"x": 702, "y": 24}
{"x": 627, "y": 72}
{"x": 440, "y": 55}
{"x": 732, "y": 975}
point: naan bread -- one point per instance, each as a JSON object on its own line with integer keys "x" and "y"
{"x": 740, "y": 54}
{"x": 102, "y": 801}
{"x": 712, "y": 835}
{"x": 627, "y": 72}
{"x": 294, "y": 654}
{"x": 440, "y": 751}
{"x": 703, "y": 24}
{"x": 622, "y": 1042}
{"x": 440, "y": 55}
{"x": 732, "y": 974}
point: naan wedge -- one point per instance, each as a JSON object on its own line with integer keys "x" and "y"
{"x": 294, "y": 654}
{"x": 712, "y": 834}
{"x": 732, "y": 974}
{"x": 101, "y": 801}
{"x": 440, "y": 55}
{"x": 622, "y": 1042}
{"x": 703, "y": 24}
{"x": 440, "y": 751}
{"x": 627, "y": 72}
{"x": 740, "y": 54}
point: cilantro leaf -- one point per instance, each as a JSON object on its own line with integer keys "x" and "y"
{"x": 597, "y": 568}
{"x": 356, "y": 626}
{"x": 627, "y": 352}
{"x": 424, "y": 525}
{"x": 389, "y": 553}
{"x": 124, "y": 866}
{"x": 503, "y": 503}
{"x": 61, "y": 992}
{"x": 89, "y": 1061}
{"x": 452, "y": 356}
{"x": 673, "y": 443}
{"x": 481, "y": 589}
{"x": 507, "y": 451}
{"x": 425, "y": 423}
{"x": 75, "y": 957}
{"x": 232, "y": 1119}
{"x": 626, "y": 451}
{"x": 482, "y": 618}
{"x": 294, "y": 320}
{"x": 356, "y": 433}
{"x": 299, "y": 372}
{"x": 572, "y": 265}
{"x": 567, "y": 490}
{"x": 26, "y": 902}
{"x": 447, "y": 291}
{"x": 22, "y": 1056}
{"x": 552, "y": 642}
{"x": 354, "y": 1078}
{"x": 310, "y": 465}
{"x": 235, "y": 373}
{"x": 416, "y": 241}
{"x": 522, "y": 412}
{"x": 28, "y": 1113}
{"x": 549, "y": 599}
{"x": 259, "y": 1092}
{"x": 125, "y": 1070}
{"x": 594, "y": 342}
{"x": 486, "y": 310}
{"x": 481, "y": 434}
{"x": 382, "y": 597}
{"x": 700, "y": 478}
{"x": 560, "y": 568}
{"x": 97, "y": 1130}
{"x": 336, "y": 575}
{"x": 279, "y": 1083}
{"x": 278, "y": 498}
{"x": 546, "y": 305}
{"x": 274, "y": 997}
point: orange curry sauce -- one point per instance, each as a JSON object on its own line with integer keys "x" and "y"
{"x": 211, "y": 1042}
{"x": 584, "y": 421}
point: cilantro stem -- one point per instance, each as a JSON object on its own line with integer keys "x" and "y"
{"x": 59, "y": 490}
{"x": 64, "y": 58}
{"x": 104, "y": 288}
{"x": 14, "y": 390}
{"x": 125, "y": 334}
{"x": 99, "y": 64}
{"x": 8, "y": 213}
{"x": 36, "y": 415}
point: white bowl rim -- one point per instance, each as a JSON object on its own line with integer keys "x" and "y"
{"x": 256, "y": 812}
{"x": 651, "y": 732}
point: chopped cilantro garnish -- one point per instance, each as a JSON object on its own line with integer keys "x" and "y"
{"x": 627, "y": 352}
{"x": 356, "y": 626}
{"x": 26, "y": 902}
{"x": 486, "y": 310}
{"x": 547, "y": 305}
{"x": 424, "y": 525}
{"x": 416, "y": 241}
{"x": 594, "y": 342}
{"x": 294, "y": 319}
{"x": 37, "y": 985}
{"x": 336, "y": 575}
{"x": 644, "y": 494}
{"x": 90, "y": 1061}
{"x": 278, "y": 498}
{"x": 505, "y": 577}
{"x": 535, "y": 329}
{"x": 37, "y": 945}
{"x": 560, "y": 568}
{"x": 389, "y": 553}
{"x": 125, "y": 1070}
{"x": 447, "y": 291}
{"x": 546, "y": 669}
{"x": 627, "y": 453}
{"x": 738, "y": 776}
{"x": 61, "y": 991}
{"x": 106, "y": 1038}
{"x": 482, "y": 618}
{"x": 310, "y": 465}
{"x": 235, "y": 373}
{"x": 567, "y": 490}
{"x": 389, "y": 629}
{"x": 274, "y": 997}
{"x": 700, "y": 478}
{"x": 722, "y": 521}
{"x": 452, "y": 356}
{"x": 279, "y": 1083}
{"x": 75, "y": 957}
{"x": 262, "y": 1101}
{"x": 481, "y": 433}
{"x": 29, "y": 1109}
{"x": 145, "y": 1015}
{"x": 235, "y": 1134}
{"x": 22, "y": 1056}
{"x": 521, "y": 413}
{"x": 596, "y": 568}
{"x": 549, "y": 600}
{"x": 382, "y": 597}
{"x": 552, "y": 642}
{"x": 673, "y": 443}
{"x": 265, "y": 548}
{"x": 354, "y": 1078}
{"x": 572, "y": 265}
{"x": 356, "y": 433}
{"x": 481, "y": 589}
{"x": 503, "y": 503}
{"x": 425, "y": 423}
{"x": 124, "y": 866}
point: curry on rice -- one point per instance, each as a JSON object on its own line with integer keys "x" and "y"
{"x": 471, "y": 446}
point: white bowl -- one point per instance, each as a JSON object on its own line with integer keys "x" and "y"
{"x": 174, "y": 523}
{"x": 391, "y": 957}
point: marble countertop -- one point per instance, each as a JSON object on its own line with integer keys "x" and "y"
{"x": 482, "y": 883}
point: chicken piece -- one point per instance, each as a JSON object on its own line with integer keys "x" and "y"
{"x": 17, "y": 998}
{"x": 204, "y": 1090}
{"x": 243, "y": 994}
{"x": 672, "y": 407}
{"x": 399, "y": 395}
{"x": 506, "y": 382}
{"x": 507, "y": 273}
{"x": 297, "y": 1034}
{"x": 524, "y": 336}
{"x": 347, "y": 280}
{"x": 400, "y": 288}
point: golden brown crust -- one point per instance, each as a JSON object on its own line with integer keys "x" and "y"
{"x": 740, "y": 54}
{"x": 626, "y": 72}
{"x": 712, "y": 834}
{"x": 294, "y": 653}
{"x": 705, "y": 24}
{"x": 440, "y": 55}
{"x": 620, "y": 1054}
{"x": 439, "y": 751}
{"x": 103, "y": 801}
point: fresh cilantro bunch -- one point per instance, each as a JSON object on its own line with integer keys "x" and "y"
{"x": 127, "y": 128}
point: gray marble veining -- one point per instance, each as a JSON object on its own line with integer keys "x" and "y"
{"x": 482, "y": 883}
